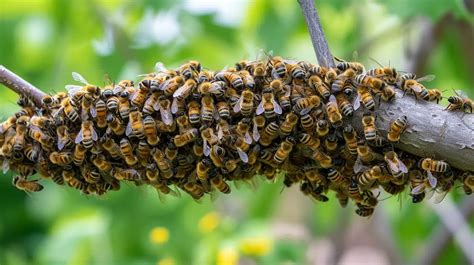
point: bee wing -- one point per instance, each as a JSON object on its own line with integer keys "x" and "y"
{"x": 5, "y": 165}
{"x": 237, "y": 105}
{"x": 243, "y": 156}
{"x": 402, "y": 166}
{"x": 160, "y": 67}
{"x": 165, "y": 84}
{"x": 62, "y": 142}
{"x": 73, "y": 89}
{"x": 220, "y": 133}
{"x": 156, "y": 105}
{"x": 288, "y": 91}
{"x": 206, "y": 148}
{"x": 247, "y": 138}
{"x": 166, "y": 116}
{"x": 432, "y": 179}
{"x": 79, "y": 136}
{"x": 417, "y": 88}
{"x": 393, "y": 166}
{"x": 356, "y": 102}
{"x": 93, "y": 111}
{"x": 460, "y": 93}
{"x": 174, "y": 106}
{"x": 275, "y": 75}
{"x": 332, "y": 99}
{"x": 418, "y": 189}
{"x": 358, "y": 166}
{"x": 255, "y": 133}
{"x": 181, "y": 91}
{"x": 260, "y": 108}
{"x": 439, "y": 196}
{"x": 305, "y": 111}
{"x": 276, "y": 107}
{"x": 129, "y": 129}
{"x": 95, "y": 137}
{"x": 79, "y": 78}
{"x": 426, "y": 78}
{"x": 429, "y": 194}
{"x": 84, "y": 114}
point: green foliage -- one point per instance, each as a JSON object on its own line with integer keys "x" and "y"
{"x": 44, "y": 41}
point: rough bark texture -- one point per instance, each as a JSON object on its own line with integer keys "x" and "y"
{"x": 432, "y": 131}
{"x": 20, "y": 86}
{"x": 318, "y": 39}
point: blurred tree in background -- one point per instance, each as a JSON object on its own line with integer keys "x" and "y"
{"x": 45, "y": 40}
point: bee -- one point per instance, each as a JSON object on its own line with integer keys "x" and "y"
{"x": 284, "y": 150}
{"x": 341, "y": 80}
{"x": 115, "y": 125}
{"x": 316, "y": 83}
{"x": 208, "y": 109}
{"x": 232, "y": 79}
{"x": 350, "y": 136}
{"x": 194, "y": 112}
{"x": 364, "y": 155}
{"x": 468, "y": 182}
{"x": 364, "y": 211}
{"x": 202, "y": 168}
{"x": 269, "y": 106}
{"x": 205, "y": 76}
{"x": 112, "y": 102}
{"x": 414, "y": 87}
{"x": 150, "y": 131}
{"x": 143, "y": 152}
{"x": 217, "y": 155}
{"x": 146, "y": 85}
{"x": 277, "y": 66}
{"x": 32, "y": 151}
{"x": 247, "y": 78}
{"x": 324, "y": 160}
{"x": 87, "y": 135}
{"x": 185, "y": 90}
{"x": 368, "y": 122}
{"x": 45, "y": 140}
{"x": 101, "y": 163}
{"x": 127, "y": 152}
{"x": 342, "y": 198}
{"x": 245, "y": 103}
{"x": 127, "y": 174}
{"x": 397, "y": 127}
{"x": 345, "y": 106}
{"x": 460, "y": 102}
{"x": 198, "y": 150}
{"x": 393, "y": 188}
{"x": 322, "y": 128}
{"x": 171, "y": 151}
{"x": 186, "y": 137}
{"x": 309, "y": 141}
{"x": 314, "y": 193}
{"x": 368, "y": 177}
{"x": 366, "y": 98}
{"x": 7, "y": 124}
{"x": 435, "y": 95}
{"x": 64, "y": 138}
{"x": 307, "y": 122}
{"x": 61, "y": 158}
{"x": 336, "y": 177}
{"x": 190, "y": 69}
{"x": 269, "y": 134}
{"x": 355, "y": 66}
{"x": 387, "y": 93}
{"x": 331, "y": 143}
{"x": 124, "y": 105}
{"x": 253, "y": 155}
{"x": 164, "y": 165}
{"x": 429, "y": 164}
{"x": 304, "y": 105}
{"x": 395, "y": 165}
{"x": 330, "y": 75}
{"x": 88, "y": 106}
{"x": 387, "y": 74}
{"x": 332, "y": 109}
{"x": 171, "y": 85}
{"x": 21, "y": 131}
{"x": 135, "y": 125}
{"x": 287, "y": 126}
{"x": 354, "y": 193}
{"x": 69, "y": 110}
{"x": 26, "y": 185}
{"x": 79, "y": 154}
{"x": 165, "y": 112}
{"x": 220, "y": 184}
{"x": 151, "y": 104}
{"x": 368, "y": 83}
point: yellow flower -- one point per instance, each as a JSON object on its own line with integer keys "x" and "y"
{"x": 259, "y": 246}
{"x": 166, "y": 261}
{"x": 227, "y": 256}
{"x": 209, "y": 222}
{"x": 159, "y": 235}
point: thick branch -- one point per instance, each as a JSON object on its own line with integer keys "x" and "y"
{"x": 20, "y": 86}
{"x": 432, "y": 131}
{"x": 318, "y": 39}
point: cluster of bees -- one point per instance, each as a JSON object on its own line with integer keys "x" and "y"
{"x": 195, "y": 130}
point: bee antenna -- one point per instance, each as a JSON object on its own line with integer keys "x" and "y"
{"x": 377, "y": 62}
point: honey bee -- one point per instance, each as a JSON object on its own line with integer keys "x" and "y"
{"x": 366, "y": 98}
{"x": 309, "y": 141}
{"x": 364, "y": 155}
{"x": 127, "y": 152}
{"x": 135, "y": 125}
{"x": 432, "y": 165}
{"x": 100, "y": 113}
{"x": 332, "y": 109}
{"x": 414, "y": 87}
{"x": 322, "y": 128}
{"x": 205, "y": 76}
{"x": 190, "y": 69}
{"x": 435, "y": 95}
{"x": 331, "y": 143}
{"x": 397, "y": 127}
{"x": 32, "y": 151}
{"x": 186, "y": 137}
{"x": 88, "y": 106}
{"x": 368, "y": 122}
{"x": 232, "y": 79}
{"x": 287, "y": 126}
{"x": 387, "y": 93}
{"x": 314, "y": 193}
{"x": 202, "y": 168}
{"x": 350, "y": 136}
{"x": 393, "y": 188}
{"x": 341, "y": 80}
{"x": 364, "y": 211}
{"x": 36, "y": 134}
{"x": 269, "y": 134}
{"x": 165, "y": 112}
{"x": 164, "y": 165}
{"x": 307, "y": 122}
{"x": 79, "y": 154}
{"x": 69, "y": 110}
{"x": 129, "y": 174}
{"x": 460, "y": 102}
{"x": 26, "y": 185}
{"x": 184, "y": 91}
{"x": 284, "y": 150}
{"x": 316, "y": 83}
{"x": 220, "y": 184}
{"x": 368, "y": 177}
{"x": 395, "y": 165}
{"x": 324, "y": 160}
{"x": 245, "y": 103}
{"x": 151, "y": 104}
{"x": 61, "y": 158}
{"x": 217, "y": 155}
{"x": 21, "y": 131}
{"x": 124, "y": 105}
{"x": 101, "y": 163}
{"x": 304, "y": 105}
{"x": 269, "y": 106}
{"x": 387, "y": 74}
{"x": 87, "y": 135}
{"x": 336, "y": 177}
{"x": 7, "y": 124}
{"x": 247, "y": 78}
{"x": 171, "y": 85}
{"x": 208, "y": 109}
{"x": 150, "y": 131}
{"x": 468, "y": 182}
{"x": 355, "y": 66}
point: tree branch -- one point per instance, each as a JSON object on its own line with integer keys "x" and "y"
{"x": 20, "y": 86}
{"x": 318, "y": 39}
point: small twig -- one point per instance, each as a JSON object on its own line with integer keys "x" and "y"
{"x": 20, "y": 86}
{"x": 318, "y": 39}
{"x": 443, "y": 234}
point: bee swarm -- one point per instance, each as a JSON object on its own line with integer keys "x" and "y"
{"x": 197, "y": 130}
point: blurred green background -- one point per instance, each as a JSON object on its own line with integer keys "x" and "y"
{"x": 45, "y": 40}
